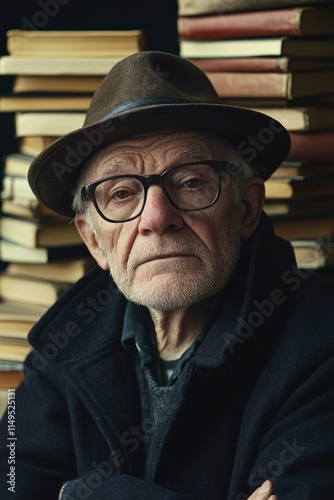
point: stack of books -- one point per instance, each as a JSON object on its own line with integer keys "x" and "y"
{"x": 278, "y": 57}
{"x": 60, "y": 70}
{"x": 55, "y": 74}
{"x": 27, "y": 290}
{"x": 53, "y": 77}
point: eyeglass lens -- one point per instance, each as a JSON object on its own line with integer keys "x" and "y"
{"x": 189, "y": 187}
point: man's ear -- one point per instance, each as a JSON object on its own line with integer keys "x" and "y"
{"x": 90, "y": 240}
{"x": 252, "y": 197}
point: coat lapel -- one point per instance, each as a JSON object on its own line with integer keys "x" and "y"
{"x": 94, "y": 362}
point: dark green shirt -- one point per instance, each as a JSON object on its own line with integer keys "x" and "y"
{"x": 138, "y": 336}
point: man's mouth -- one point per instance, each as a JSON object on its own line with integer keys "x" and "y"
{"x": 165, "y": 256}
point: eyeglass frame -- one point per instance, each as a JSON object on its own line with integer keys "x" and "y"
{"x": 88, "y": 191}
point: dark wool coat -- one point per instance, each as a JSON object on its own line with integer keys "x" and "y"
{"x": 255, "y": 402}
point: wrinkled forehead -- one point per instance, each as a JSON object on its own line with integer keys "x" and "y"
{"x": 162, "y": 149}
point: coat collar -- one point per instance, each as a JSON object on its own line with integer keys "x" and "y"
{"x": 263, "y": 261}
{"x": 79, "y": 337}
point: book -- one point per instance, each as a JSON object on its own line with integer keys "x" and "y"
{"x": 255, "y": 47}
{"x": 33, "y": 234}
{"x": 283, "y": 64}
{"x": 51, "y": 124}
{"x": 74, "y": 43}
{"x": 15, "y": 324}
{"x": 12, "y": 349}
{"x": 28, "y": 290}
{"x": 83, "y": 66}
{"x": 296, "y": 208}
{"x": 56, "y": 83}
{"x": 277, "y": 85}
{"x": 299, "y": 187}
{"x": 301, "y": 118}
{"x": 16, "y": 188}
{"x": 10, "y": 365}
{"x": 17, "y": 163}
{"x": 44, "y": 103}
{"x": 311, "y": 254}
{"x": 10, "y": 379}
{"x": 30, "y": 209}
{"x": 197, "y": 7}
{"x": 296, "y": 168}
{"x": 33, "y": 145}
{"x": 13, "y": 252}
{"x": 14, "y": 311}
{"x": 293, "y": 21}
{"x": 3, "y": 402}
{"x": 312, "y": 146}
{"x": 272, "y": 102}
{"x": 69, "y": 270}
{"x": 15, "y": 329}
{"x": 301, "y": 228}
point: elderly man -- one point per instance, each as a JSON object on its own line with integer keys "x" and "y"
{"x": 204, "y": 367}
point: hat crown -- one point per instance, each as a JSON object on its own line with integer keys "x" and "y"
{"x": 148, "y": 76}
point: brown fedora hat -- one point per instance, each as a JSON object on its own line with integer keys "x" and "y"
{"x": 153, "y": 91}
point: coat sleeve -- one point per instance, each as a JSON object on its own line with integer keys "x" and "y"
{"x": 93, "y": 485}
{"x": 297, "y": 451}
{"x": 42, "y": 453}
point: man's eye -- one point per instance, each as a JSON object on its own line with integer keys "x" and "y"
{"x": 193, "y": 183}
{"x": 122, "y": 191}
{"x": 121, "y": 194}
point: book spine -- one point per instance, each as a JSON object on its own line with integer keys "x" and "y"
{"x": 249, "y": 84}
{"x": 313, "y": 146}
{"x": 285, "y": 22}
{"x": 200, "y": 7}
{"x": 241, "y": 64}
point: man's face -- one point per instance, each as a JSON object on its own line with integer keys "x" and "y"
{"x": 166, "y": 259}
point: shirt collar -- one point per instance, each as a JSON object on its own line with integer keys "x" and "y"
{"x": 137, "y": 333}
{"x": 138, "y": 337}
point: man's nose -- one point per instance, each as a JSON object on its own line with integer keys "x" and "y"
{"x": 159, "y": 215}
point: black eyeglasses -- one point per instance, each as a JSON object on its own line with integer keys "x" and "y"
{"x": 188, "y": 187}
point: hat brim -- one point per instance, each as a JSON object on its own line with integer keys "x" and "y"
{"x": 262, "y": 142}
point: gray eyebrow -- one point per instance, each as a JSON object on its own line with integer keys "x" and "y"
{"x": 199, "y": 154}
{"x": 112, "y": 170}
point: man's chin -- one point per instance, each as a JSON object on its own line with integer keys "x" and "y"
{"x": 170, "y": 293}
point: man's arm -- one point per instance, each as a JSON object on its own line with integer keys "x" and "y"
{"x": 44, "y": 457}
{"x": 128, "y": 487}
{"x": 296, "y": 451}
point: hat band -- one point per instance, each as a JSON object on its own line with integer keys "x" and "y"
{"x": 141, "y": 103}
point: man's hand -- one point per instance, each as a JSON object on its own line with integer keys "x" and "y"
{"x": 263, "y": 492}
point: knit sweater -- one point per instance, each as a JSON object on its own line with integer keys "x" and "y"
{"x": 154, "y": 403}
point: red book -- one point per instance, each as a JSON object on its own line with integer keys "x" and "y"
{"x": 312, "y": 146}
{"x": 295, "y": 22}
{"x": 262, "y": 64}
{"x": 198, "y": 7}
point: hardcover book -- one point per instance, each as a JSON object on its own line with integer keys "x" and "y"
{"x": 255, "y": 47}
{"x": 60, "y": 43}
{"x": 295, "y": 22}
{"x": 196, "y": 7}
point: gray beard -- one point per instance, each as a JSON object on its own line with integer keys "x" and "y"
{"x": 176, "y": 293}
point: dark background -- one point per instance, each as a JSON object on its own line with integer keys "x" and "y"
{"x": 158, "y": 18}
